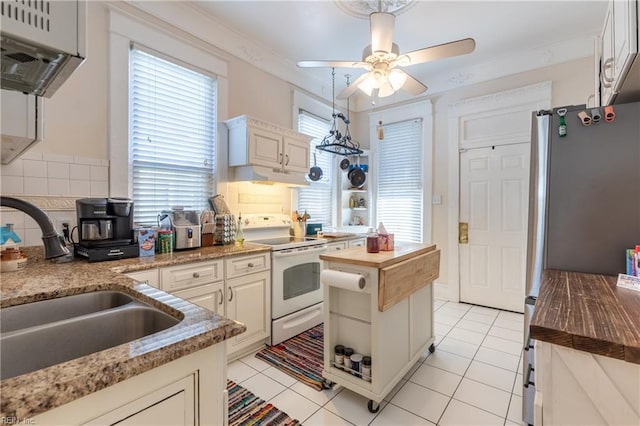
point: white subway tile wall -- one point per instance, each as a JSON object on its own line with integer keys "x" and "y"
{"x": 50, "y": 176}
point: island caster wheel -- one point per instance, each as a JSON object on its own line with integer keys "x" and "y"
{"x": 432, "y": 348}
{"x": 327, "y": 384}
{"x": 373, "y": 406}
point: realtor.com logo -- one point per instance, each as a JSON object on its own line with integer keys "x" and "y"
{"x": 17, "y": 420}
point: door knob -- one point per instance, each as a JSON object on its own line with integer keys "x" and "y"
{"x": 463, "y": 233}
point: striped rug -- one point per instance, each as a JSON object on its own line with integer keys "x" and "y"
{"x": 247, "y": 409}
{"x": 300, "y": 357}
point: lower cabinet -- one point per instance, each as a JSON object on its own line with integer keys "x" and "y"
{"x": 237, "y": 287}
{"x": 188, "y": 391}
{"x": 248, "y": 300}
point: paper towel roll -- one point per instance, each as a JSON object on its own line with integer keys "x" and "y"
{"x": 346, "y": 280}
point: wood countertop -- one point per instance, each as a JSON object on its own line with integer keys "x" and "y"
{"x": 588, "y": 312}
{"x": 383, "y": 259}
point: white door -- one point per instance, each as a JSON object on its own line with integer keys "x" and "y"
{"x": 494, "y": 185}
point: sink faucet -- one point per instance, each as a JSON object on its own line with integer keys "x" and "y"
{"x": 53, "y": 246}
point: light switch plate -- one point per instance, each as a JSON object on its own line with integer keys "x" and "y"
{"x": 436, "y": 199}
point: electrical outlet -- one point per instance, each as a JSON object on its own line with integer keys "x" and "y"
{"x": 59, "y": 223}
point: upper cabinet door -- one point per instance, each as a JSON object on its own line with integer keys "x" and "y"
{"x": 296, "y": 155}
{"x": 625, "y": 37}
{"x": 265, "y": 148}
{"x": 607, "y": 61}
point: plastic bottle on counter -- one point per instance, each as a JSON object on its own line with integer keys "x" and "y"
{"x": 365, "y": 369}
{"x": 239, "y": 232}
{"x": 347, "y": 358}
{"x": 339, "y": 356}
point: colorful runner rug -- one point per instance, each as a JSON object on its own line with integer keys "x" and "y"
{"x": 300, "y": 357}
{"x": 247, "y": 409}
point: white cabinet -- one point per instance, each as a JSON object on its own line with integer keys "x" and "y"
{"x": 619, "y": 47}
{"x": 355, "y": 207}
{"x": 237, "y": 287}
{"x": 149, "y": 276}
{"x": 248, "y": 300}
{"x": 581, "y": 388}
{"x": 258, "y": 143}
{"x": 171, "y": 405}
{"x": 190, "y": 390}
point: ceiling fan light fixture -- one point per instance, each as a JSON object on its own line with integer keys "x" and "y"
{"x": 397, "y": 78}
{"x": 386, "y": 90}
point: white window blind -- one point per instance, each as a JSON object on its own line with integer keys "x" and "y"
{"x": 317, "y": 199}
{"x": 172, "y": 136}
{"x": 399, "y": 193}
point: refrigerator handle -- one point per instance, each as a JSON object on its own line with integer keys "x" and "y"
{"x": 527, "y": 379}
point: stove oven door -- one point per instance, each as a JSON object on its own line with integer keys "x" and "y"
{"x": 295, "y": 279}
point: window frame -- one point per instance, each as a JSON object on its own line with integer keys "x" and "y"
{"x": 419, "y": 110}
{"x": 303, "y": 102}
{"x": 127, "y": 29}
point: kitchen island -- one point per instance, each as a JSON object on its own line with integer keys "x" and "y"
{"x": 587, "y": 351}
{"x": 185, "y": 360}
{"x": 380, "y": 305}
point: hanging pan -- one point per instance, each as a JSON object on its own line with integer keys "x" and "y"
{"x": 344, "y": 164}
{"x": 315, "y": 173}
{"x": 357, "y": 176}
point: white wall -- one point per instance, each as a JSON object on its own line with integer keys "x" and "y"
{"x": 76, "y": 119}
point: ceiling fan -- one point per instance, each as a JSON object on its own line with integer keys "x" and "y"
{"x": 382, "y": 59}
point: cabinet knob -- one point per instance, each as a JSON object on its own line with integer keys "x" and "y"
{"x": 196, "y": 275}
{"x": 250, "y": 265}
{"x": 338, "y": 248}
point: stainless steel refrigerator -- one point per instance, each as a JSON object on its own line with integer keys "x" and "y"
{"x": 584, "y": 201}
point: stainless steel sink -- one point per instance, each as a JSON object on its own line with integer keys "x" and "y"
{"x": 47, "y": 342}
{"x": 48, "y": 311}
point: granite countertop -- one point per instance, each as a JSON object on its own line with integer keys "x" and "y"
{"x": 29, "y": 394}
{"x": 588, "y": 312}
{"x": 380, "y": 260}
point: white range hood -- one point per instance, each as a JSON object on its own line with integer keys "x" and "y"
{"x": 266, "y": 175}
{"x": 43, "y": 42}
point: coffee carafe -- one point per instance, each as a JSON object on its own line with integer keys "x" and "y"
{"x": 105, "y": 228}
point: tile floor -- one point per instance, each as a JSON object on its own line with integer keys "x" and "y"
{"x": 473, "y": 378}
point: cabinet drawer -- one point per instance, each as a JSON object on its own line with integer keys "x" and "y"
{"x": 149, "y": 275}
{"x": 237, "y": 266}
{"x": 193, "y": 274}
{"x": 360, "y": 242}
{"x": 342, "y": 245}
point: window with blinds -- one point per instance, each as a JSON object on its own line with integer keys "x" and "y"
{"x": 317, "y": 199}
{"x": 172, "y": 135}
{"x": 399, "y": 190}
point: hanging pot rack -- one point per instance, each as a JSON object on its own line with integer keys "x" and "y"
{"x": 336, "y": 142}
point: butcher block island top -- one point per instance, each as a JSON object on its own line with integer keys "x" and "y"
{"x": 401, "y": 272}
{"x": 588, "y": 312}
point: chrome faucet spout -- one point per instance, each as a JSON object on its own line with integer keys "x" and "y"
{"x": 53, "y": 246}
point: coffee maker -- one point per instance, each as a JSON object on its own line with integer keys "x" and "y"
{"x": 105, "y": 229}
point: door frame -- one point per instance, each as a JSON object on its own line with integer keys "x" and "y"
{"x": 521, "y": 101}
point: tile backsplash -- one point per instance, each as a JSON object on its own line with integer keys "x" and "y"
{"x": 53, "y": 183}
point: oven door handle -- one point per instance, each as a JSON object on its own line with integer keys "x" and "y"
{"x": 299, "y": 251}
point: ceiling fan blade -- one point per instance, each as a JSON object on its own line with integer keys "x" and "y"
{"x": 351, "y": 88}
{"x": 332, "y": 64}
{"x": 382, "y": 24}
{"x": 441, "y": 51}
{"x": 413, "y": 86}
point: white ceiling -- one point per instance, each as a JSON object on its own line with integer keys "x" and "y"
{"x": 511, "y": 36}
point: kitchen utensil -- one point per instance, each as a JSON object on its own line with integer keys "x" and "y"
{"x": 315, "y": 173}
{"x": 218, "y": 204}
{"x": 357, "y": 176}
{"x": 344, "y": 164}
